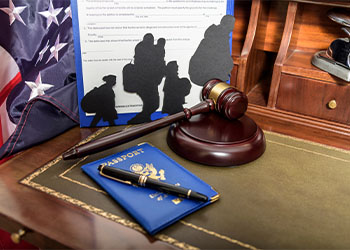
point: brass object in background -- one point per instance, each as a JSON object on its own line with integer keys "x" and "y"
{"x": 332, "y": 104}
{"x": 16, "y": 237}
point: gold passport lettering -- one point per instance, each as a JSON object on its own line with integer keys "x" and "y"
{"x": 177, "y": 201}
{"x": 123, "y": 157}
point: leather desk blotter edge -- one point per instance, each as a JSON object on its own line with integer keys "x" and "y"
{"x": 64, "y": 169}
{"x": 277, "y": 185}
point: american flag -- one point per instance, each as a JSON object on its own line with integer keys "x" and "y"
{"x": 37, "y": 85}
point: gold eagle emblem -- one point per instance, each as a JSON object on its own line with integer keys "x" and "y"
{"x": 149, "y": 170}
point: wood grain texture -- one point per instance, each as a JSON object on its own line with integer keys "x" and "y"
{"x": 271, "y": 24}
{"x": 331, "y": 3}
{"x": 309, "y": 97}
{"x": 242, "y": 81}
{"x": 301, "y": 126}
{"x": 315, "y": 30}
{"x": 242, "y": 14}
{"x": 299, "y": 63}
{"x": 282, "y": 53}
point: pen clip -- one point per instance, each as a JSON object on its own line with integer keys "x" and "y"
{"x": 113, "y": 178}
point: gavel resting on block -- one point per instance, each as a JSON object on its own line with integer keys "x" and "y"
{"x": 216, "y": 95}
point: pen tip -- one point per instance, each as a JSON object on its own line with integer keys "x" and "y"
{"x": 70, "y": 154}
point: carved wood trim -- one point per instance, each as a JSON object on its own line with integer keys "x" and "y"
{"x": 282, "y": 53}
{"x": 248, "y": 44}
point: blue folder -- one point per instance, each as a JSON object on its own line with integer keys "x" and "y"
{"x": 152, "y": 209}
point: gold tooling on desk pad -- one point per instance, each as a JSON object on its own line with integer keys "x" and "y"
{"x": 249, "y": 205}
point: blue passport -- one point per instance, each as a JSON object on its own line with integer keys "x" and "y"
{"x": 152, "y": 209}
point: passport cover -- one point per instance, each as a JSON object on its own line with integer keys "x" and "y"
{"x": 152, "y": 209}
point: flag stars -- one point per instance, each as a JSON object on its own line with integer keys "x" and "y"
{"x": 14, "y": 12}
{"x": 55, "y": 49}
{"x": 68, "y": 12}
{"x": 51, "y": 14}
{"x": 38, "y": 88}
{"x": 42, "y": 53}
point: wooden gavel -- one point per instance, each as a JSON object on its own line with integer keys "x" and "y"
{"x": 216, "y": 95}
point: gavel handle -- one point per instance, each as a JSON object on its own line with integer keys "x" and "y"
{"x": 135, "y": 132}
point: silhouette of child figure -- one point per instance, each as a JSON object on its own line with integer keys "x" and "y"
{"x": 175, "y": 89}
{"x": 101, "y": 101}
{"x": 144, "y": 76}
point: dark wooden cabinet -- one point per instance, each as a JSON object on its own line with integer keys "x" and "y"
{"x": 287, "y": 94}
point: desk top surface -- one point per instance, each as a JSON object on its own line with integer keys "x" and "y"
{"x": 294, "y": 196}
{"x": 67, "y": 224}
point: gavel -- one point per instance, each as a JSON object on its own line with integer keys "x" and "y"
{"x": 216, "y": 95}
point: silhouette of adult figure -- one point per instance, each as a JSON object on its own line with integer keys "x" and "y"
{"x": 212, "y": 58}
{"x": 144, "y": 50}
{"x": 101, "y": 101}
{"x": 144, "y": 76}
{"x": 175, "y": 89}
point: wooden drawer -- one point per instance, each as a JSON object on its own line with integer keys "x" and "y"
{"x": 319, "y": 99}
{"x": 37, "y": 239}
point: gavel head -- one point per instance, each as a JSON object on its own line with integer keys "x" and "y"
{"x": 228, "y": 101}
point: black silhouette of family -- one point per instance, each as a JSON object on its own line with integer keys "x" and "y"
{"x": 146, "y": 73}
{"x": 148, "y": 69}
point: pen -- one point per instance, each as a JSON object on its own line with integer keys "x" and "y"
{"x": 130, "y": 178}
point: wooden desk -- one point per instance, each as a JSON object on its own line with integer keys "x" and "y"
{"x": 312, "y": 206}
{"x": 55, "y": 223}
{"x": 294, "y": 196}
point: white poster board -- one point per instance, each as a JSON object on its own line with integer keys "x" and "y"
{"x": 106, "y": 36}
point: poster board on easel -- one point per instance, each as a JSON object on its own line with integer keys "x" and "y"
{"x": 139, "y": 61}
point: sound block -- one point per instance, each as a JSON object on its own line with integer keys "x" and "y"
{"x": 211, "y": 139}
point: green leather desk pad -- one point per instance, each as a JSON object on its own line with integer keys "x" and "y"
{"x": 296, "y": 195}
